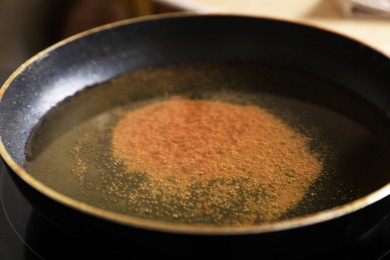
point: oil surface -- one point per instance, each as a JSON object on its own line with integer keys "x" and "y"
{"x": 71, "y": 152}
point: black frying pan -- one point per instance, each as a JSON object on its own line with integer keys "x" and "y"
{"x": 103, "y": 53}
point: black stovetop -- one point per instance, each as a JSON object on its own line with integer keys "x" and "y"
{"x": 25, "y": 234}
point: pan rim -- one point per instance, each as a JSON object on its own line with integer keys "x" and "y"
{"x": 284, "y": 225}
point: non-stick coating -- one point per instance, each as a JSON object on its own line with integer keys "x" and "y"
{"x": 71, "y": 66}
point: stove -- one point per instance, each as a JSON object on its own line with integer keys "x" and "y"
{"x": 25, "y": 234}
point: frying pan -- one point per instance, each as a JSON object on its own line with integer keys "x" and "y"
{"x": 101, "y": 54}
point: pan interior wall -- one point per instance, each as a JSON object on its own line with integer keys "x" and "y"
{"x": 70, "y": 150}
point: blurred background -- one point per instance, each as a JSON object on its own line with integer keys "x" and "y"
{"x": 29, "y": 26}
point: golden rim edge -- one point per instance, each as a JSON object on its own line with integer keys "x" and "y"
{"x": 172, "y": 227}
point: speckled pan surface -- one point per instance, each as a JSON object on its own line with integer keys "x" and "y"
{"x": 103, "y": 53}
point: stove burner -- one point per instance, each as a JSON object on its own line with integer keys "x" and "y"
{"x": 25, "y": 234}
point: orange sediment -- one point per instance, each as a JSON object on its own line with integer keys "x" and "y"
{"x": 178, "y": 142}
